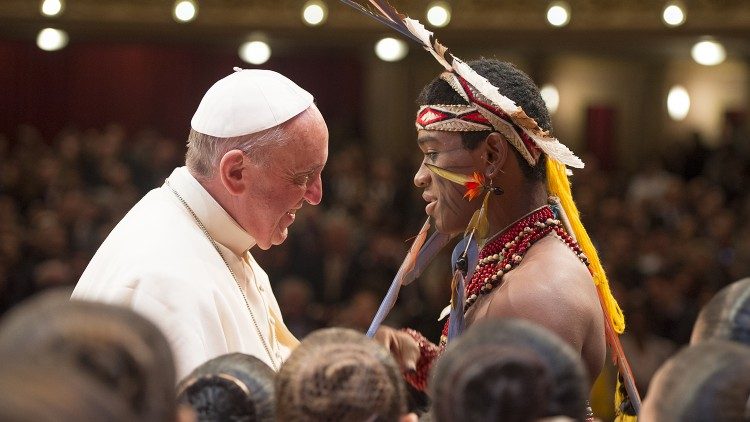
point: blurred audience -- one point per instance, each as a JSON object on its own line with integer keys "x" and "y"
{"x": 508, "y": 370}
{"x": 338, "y": 374}
{"x": 233, "y": 387}
{"x": 119, "y": 350}
{"x": 707, "y": 382}
{"x": 726, "y": 316}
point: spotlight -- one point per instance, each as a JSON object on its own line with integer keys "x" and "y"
{"x": 50, "y": 39}
{"x": 678, "y": 103}
{"x": 391, "y": 49}
{"x": 558, "y": 13}
{"x": 551, "y": 97}
{"x": 439, "y": 14}
{"x": 52, "y": 7}
{"x": 255, "y": 52}
{"x": 673, "y": 14}
{"x": 185, "y": 10}
{"x": 708, "y": 52}
{"x": 315, "y": 12}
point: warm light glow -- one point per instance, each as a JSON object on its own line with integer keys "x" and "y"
{"x": 673, "y": 14}
{"x": 315, "y": 12}
{"x": 678, "y": 103}
{"x": 558, "y": 13}
{"x": 391, "y": 49}
{"x": 708, "y": 52}
{"x": 439, "y": 14}
{"x": 255, "y": 52}
{"x": 52, "y": 7}
{"x": 50, "y": 39}
{"x": 185, "y": 10}
{"x": 551, "y": 97}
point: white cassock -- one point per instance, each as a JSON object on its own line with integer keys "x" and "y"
{"x": 159, "y": 262}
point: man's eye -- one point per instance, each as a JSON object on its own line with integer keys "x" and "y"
{"x": 302, "y": 180}
{"x": 432, "y": 156}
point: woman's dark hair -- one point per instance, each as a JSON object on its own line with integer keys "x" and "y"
{"x": 338, "y": 374}
{"x": 510, "y": 370}
{"x": 709, "y": 381}
{"x": 511, "y": 82}
{"x": 726, "y": 316}
{"x": 42, "y": 392}
{"x": 233, "y": 387}
{"x": 121, "y": 350}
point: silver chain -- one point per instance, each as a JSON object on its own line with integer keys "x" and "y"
{"x": 216, "y": 246}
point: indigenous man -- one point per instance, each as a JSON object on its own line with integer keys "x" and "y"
{"x": 181, "y": 256}
{"x": 529, "y": 266}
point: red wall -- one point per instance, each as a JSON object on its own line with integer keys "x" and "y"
{"x": 149, "y": 86}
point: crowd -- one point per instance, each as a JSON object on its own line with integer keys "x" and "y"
{"x": 670, "y": 233}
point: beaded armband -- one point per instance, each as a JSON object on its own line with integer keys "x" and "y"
{"x": 428, "y": 352}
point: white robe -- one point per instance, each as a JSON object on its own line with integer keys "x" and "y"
{"x": 159, "y": 262}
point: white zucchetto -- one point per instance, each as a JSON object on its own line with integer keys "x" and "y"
{"x": 249, "y": 101}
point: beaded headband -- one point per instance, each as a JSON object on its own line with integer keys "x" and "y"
{"x": 479, "y": 116}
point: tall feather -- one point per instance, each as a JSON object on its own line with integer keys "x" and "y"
{"x": 479, "y": 224}
{"x": 456, "y": 318}
{"x": 406, "y": 266}
{"x": 431, "y": 247}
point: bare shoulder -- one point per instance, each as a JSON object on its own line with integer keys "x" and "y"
{"x": 552, "y": 287}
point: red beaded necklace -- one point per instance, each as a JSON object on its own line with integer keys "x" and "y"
{"x": 506, "y": 250}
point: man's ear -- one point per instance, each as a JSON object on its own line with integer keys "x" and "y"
{"x": 497, "y": 154}
{"x": 231, "y": 171}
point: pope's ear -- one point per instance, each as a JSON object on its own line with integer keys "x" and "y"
{"x": 497, "y": 154}
{"x": 231, "y": 171}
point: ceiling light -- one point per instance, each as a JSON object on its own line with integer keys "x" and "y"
{"x": 558, "y": 13}
{"x": 185, "y": 10}
{"x": 52, "y": 7}
{"x": 439, "y": 14}
{"x": 255, "y": 52}
{"x": 551, "y": 97}
{"x": 50, "y": 39}
{"x": 708, "y": 52}
{"x": 673, "y": 14}
{"x": 391, "y": 49}
{"x": 678, "y": 103}
{"x": 314, "y": 12}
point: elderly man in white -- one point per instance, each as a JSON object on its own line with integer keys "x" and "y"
{"x": 181, "y": 256}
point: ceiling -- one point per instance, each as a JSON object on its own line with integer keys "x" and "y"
{"x": 602, "y": 25}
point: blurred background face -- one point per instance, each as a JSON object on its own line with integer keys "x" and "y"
{"x": 450, "y": 211}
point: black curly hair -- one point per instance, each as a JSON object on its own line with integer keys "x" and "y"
{"x": 512, "y": 83}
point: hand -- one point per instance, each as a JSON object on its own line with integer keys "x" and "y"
{"x": 403, "y": 347}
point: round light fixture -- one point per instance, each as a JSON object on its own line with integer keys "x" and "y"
{"x": 52, "y": 7}
{"x": 558, "y": 13}
{"x": 439, "y": 14}
{"x": 678, "y": 103}
{"x": 314, "y": 12}
{"x": 708, "y": 52}
{"x": 391, "y": 49}
{"x": 255, "y": 52}
{"x": 50, "y": 39}
{"x": 185, "y": 10}
{"x": 673, "y": 14}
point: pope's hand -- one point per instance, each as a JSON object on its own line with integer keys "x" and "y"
{"x": 403, "y": 347}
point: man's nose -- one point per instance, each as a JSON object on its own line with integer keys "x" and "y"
{"x": 314, "y": 193}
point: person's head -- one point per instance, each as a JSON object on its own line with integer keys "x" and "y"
{"x": 726, "y": 316}
{"x": 510, "y": 370}
{"x": 709, "y": 381}
{"x": 56, "y": 393}
{"x": 259, "y": 144}
{"x": 466, "y": 147}
{"x": 117, "y": 348}
{"x": 230, "y": 387}
{"x": 338, "y": 374}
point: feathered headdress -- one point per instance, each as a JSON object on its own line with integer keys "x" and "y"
{"x": 489, "y": 106}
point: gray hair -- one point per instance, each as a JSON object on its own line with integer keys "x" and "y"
{"x": 204, "y": 152}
